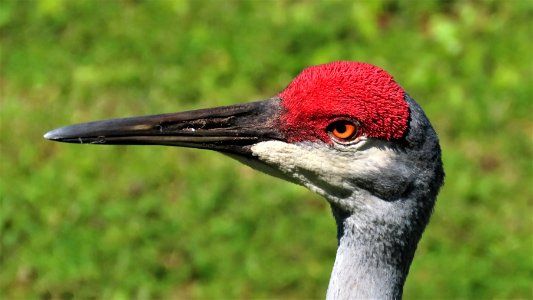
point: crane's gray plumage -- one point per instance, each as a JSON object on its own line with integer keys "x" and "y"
{"x": 344, "y": 130}
{"x": 377, "y": 243}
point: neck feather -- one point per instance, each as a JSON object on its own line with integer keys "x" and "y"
{"x": 374, "y": 253}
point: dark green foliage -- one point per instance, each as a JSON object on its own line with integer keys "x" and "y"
{"x": 144, "y": 222}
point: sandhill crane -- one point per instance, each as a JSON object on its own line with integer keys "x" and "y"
{"x": 345, "y": 130}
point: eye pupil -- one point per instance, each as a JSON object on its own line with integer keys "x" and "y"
{"x": 341, "y": 128}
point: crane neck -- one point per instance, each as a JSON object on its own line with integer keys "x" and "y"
{"x": 373, "y": 258}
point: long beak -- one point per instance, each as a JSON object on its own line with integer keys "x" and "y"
{"x": 232, "y": 129}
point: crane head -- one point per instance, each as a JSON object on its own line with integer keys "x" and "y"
{"x": 345, "y": 130}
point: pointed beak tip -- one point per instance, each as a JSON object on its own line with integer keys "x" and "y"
{"x": 49, "y": 135}
{"x": 52, "y": 135}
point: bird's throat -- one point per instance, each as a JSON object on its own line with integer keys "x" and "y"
{"x": 371, "y": 262}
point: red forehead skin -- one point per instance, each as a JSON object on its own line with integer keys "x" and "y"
{"x": 322, "y": 94}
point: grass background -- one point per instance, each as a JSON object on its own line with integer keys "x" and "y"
{"x": 144, "y": 222}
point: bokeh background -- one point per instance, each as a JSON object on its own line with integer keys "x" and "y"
{"x": 161, "y": 222}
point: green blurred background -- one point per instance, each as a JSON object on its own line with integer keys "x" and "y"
{"x": 144, "y": 222}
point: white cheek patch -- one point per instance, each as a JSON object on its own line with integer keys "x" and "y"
{"x": 316, "y": 164}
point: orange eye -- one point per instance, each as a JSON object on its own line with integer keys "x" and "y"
{"x": 343, "y": 131}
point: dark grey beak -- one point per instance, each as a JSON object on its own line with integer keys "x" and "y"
{"x": 231, "y": 129}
